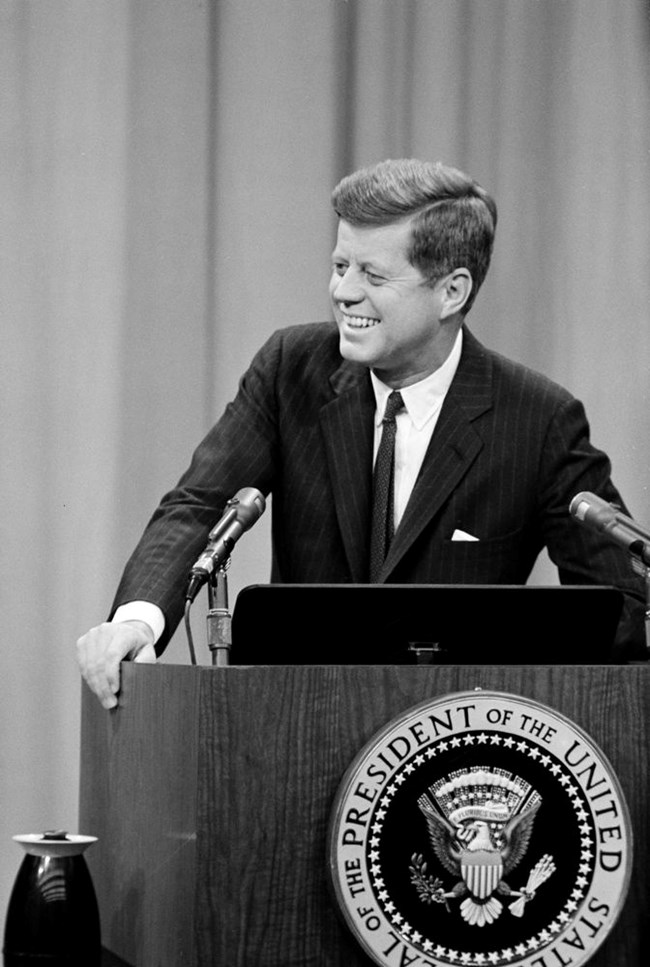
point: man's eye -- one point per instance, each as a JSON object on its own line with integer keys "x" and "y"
{"x": 339, "y": 268}
{"x": 374, "y": 279}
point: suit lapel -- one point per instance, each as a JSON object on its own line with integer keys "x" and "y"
{"x": 454, "y": 446}
{"x": 348, "y": 426}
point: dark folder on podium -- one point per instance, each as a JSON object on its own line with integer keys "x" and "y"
{"x": 345, "y": 624}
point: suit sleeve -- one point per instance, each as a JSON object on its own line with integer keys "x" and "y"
{"x": 571, "y": 464}
{"x": 239, "y": 451}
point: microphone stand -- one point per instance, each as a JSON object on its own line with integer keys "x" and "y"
{"x": 646, "y": 577}
{"x": 644, "y": 571}
{"x": 218, "y": 618}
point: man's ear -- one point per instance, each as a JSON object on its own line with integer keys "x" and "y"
{"x": 457, "y": 287}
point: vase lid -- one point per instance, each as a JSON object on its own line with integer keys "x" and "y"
{"x": 54, "y": 843}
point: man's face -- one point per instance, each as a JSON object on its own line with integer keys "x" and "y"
{"x": 388, "y": 318}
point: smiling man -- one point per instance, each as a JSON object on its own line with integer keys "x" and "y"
{"x": 413, "y": 247}
{"x": 390, "y": 317}
{"x": 397, "y": 448}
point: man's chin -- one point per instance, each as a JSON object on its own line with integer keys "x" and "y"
{"x": 354, "y": 352}
{"x": 354, "y": 355}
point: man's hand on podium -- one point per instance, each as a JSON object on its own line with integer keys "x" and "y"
{"x": 100, "y": 651}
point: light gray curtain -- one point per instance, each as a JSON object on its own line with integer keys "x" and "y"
{"x": 165, "y": 177}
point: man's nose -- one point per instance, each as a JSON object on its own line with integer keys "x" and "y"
{"x": 347, "y": 287}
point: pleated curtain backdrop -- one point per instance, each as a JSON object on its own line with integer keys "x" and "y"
{"x": 166, "y": 171}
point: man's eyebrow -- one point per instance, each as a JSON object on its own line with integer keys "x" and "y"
{"x": 377, "y": 268}
{"x": 367, "y": 265}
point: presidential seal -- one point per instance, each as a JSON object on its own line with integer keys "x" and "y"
{"x": 481, "y": 828}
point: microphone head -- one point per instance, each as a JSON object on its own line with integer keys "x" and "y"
{"x": 591, "y": 509}
{"x": 580, "y": 505}
{"x": 249, "y": 505}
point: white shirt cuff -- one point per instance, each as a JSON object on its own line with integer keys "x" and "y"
{"x": 142, "y": 611}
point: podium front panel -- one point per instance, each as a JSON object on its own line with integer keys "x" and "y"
{"x": 211, "y": 790}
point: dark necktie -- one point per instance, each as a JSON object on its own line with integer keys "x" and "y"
{"x": 382, "y": 525}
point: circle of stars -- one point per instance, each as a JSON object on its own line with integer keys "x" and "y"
{"x": 507, "y": 955}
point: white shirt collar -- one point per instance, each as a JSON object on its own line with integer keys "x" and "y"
{"x": 424, "y": 398}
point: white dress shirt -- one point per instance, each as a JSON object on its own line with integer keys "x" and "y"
{"x": 415, "y": 423}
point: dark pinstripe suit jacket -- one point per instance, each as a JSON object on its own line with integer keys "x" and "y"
{"x": 509, "y": 452}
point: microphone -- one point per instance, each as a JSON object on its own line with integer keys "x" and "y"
{"x": 242, "y": 511}
{"x": 595, "y": 512}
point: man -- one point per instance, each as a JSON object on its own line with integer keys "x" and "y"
{"x": 487, "y": 454}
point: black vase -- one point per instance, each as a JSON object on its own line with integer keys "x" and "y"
{"x": 52, "y": 918}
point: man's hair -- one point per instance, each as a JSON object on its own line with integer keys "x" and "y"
{"x": 454, "y": 219}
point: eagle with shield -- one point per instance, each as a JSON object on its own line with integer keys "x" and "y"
{"x": 480, "y": 823}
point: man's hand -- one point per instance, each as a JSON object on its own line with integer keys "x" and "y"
{"x": 100, "y": 651}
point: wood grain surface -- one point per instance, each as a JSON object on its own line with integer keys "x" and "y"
{"x": 211, "y": 790}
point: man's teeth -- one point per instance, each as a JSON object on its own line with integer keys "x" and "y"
{"x": 359, "y": 322}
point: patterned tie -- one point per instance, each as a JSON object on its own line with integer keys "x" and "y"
{"x": 382, "y": 525}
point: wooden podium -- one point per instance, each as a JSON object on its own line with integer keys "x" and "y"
{"x": 211, "y": 789}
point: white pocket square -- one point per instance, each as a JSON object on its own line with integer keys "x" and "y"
{"x": 459, "y": 535}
